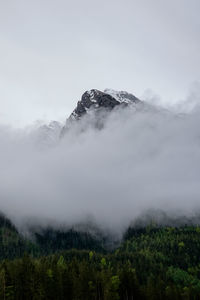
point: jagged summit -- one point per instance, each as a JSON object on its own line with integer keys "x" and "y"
{"x": 92, "y": 101}
{"x": 122, "y": 96}
{"x": 98, "y": 101}
{"x": 95, "y": 99}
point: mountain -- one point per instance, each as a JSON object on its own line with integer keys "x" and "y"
{"x": 123, "y": 97}
{"x": 95, "y": 101}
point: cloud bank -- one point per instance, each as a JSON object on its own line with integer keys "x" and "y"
{"x": 146, "y": 159}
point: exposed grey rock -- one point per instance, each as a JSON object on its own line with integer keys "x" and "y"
{"x": 97, "y": 101}
{"x": 94, "y": 99}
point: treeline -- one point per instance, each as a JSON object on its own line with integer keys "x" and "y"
{"x": 44, "y": 241}
{"x": 152, "y": 263}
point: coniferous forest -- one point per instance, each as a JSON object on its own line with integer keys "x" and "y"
{"x": 151, "y": 262}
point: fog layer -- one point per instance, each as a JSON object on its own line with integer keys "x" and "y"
{"x": 140, "y": 160}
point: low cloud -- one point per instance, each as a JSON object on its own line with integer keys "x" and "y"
{"x": 140, "y": 160}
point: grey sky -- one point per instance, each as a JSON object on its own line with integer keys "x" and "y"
{"x": 52, "y": 51}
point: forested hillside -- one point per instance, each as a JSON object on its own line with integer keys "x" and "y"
{"x": 44, "y": 241}
{"x": 152, "y": 262}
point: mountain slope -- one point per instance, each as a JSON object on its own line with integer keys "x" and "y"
{"x": 95, "y": 101}
{"x": 42, "y": 241}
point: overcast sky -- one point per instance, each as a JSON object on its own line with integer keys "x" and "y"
{"x": 52, "y": 51}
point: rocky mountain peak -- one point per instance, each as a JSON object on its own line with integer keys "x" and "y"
{"x": 122, "y": 96}
{"x": 95, "y": 100}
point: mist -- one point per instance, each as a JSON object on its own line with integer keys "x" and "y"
{"x": 141, "y": 159}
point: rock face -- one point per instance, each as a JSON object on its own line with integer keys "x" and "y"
{"x": 95, "y": 100}
{"x": 95, "y": 104}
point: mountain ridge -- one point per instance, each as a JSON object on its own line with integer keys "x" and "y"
{"x": 97, "y": 101}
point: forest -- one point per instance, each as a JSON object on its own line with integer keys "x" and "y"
{"x": 151, "y": 262}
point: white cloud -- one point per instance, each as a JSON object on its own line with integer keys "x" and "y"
{"x": 140, "y": 160}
